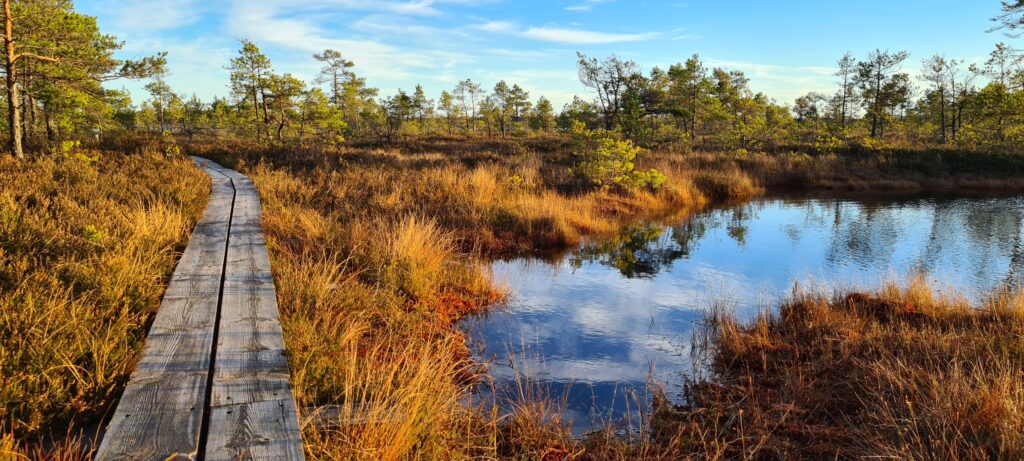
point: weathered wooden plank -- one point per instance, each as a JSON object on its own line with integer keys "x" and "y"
{"x": 257, "y": 387}
{"x": 263, "y": 430}
{"x": 183, "y": 346}
{"x": 160, "y": 415}
{"x": 157, "y": 418}
{"x": 252, "y": 413}
{"x": 252, "y": 407}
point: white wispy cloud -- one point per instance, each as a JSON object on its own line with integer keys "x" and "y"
{"x": 151, "y": 15}
{"x": 520, "y": 54}
{"x": 413, "y": 8}
{"x": 502, "y": 27}
{"x": 398, "y": 26}
{"x": 267, "y": 24}
{"x": 681, "y": 33}
{"x": 568, "y": 36}
{"x": 786, "y": 82}
{"x": 587, "y": 6}
{"x": 583, "y": 37}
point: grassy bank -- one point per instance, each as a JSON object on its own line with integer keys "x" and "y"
{"x": 86, "y": 243}
{"x": 494, "y": 197}
{"x": 378, "y": 250}
{"x": 901, "y": 373}
{"x": 926, "y": 170}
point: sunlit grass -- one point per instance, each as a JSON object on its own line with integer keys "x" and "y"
{"x": 905, "y": 372}
{"x": 377, "y": 253}
{"x": 85, "y": 248}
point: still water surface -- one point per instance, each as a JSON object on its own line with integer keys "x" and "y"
{"x": 603, "y": 318}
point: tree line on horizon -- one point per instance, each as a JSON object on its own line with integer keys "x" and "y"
{"x": 56, "y": 61}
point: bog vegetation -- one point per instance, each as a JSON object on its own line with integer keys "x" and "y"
{"x": 381, "y": 211}
{"x": 86, "y": 243}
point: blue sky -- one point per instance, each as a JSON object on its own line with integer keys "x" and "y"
{"x": 787, "y": 48}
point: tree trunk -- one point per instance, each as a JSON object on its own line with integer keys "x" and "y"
{"x": 256, "y": 113}
{"x": 877, "y": 102}
{"x": 51, "y": 136}
{"x": 29, "y": 103}
{"x": 160, "y": 116}
{"x": 335, "y": 86}
{"x": 13, "y": 112}
{"x": 846, "y": 90}
{"x": 1002, "y": 110}
{"x": 942, "y": 114}
{"x": 957, "y": 119}
{"x": 263, "y": 102}
{"x": 30, "y": 133}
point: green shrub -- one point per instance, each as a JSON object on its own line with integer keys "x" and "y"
{"x": 604, "y": 161}
{"x": 92, "y": 233}
{"x": 651, "y": 180}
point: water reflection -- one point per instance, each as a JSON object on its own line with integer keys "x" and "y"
{"x": 640, "y": 251}
{"x": 603, "y": 316}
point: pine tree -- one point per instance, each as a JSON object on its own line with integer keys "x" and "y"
{"x": 877, "y": 79}
{"x": 58, "y": 57}
{"x": 250, "y": 74}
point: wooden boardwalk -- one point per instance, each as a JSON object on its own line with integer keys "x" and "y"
{"x": 212, "y": 383}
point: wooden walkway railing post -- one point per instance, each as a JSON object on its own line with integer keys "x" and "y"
{"x": 213, "y": 380}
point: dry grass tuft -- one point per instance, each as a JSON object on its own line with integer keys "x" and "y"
{"x": 85, "y": 248}
{"x": 901, "y": 373}
{"x": 377, "y": 253}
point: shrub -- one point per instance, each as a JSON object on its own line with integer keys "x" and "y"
{"x": 651, "y": 180}
{"x": 92, "y": 234}
{"x": 604, "y": 161}
{"x": 68, "y": 146}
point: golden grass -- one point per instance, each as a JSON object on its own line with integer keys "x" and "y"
{"x": 908, "y": 171}
{"x": 390, "y": 400}
{"x": 902, "y": 373}
{"x": 377, "y": 253}
{"x": 367, "y": 301}
{"x": 493, "y": 202}
{"x": 85, "y": 248}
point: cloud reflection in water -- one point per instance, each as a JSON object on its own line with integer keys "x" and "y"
{"x": 606, "y": 314}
